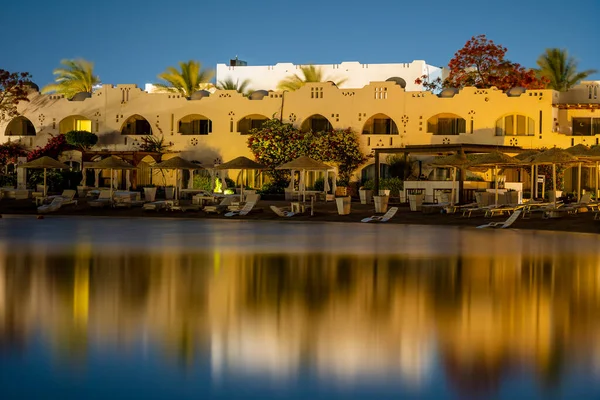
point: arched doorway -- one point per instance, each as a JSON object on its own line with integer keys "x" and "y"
{"x": 74, "y": 123}
{"x": 316, "y": 123}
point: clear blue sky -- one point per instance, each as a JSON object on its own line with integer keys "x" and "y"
{"x": 131, "y": 41}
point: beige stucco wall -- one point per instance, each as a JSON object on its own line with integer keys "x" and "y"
{"x": 110, "y": 106}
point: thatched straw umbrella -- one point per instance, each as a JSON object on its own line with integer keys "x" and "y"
{"x": 304, "y": 164}
{"x": 111, "y": 163}
{"x": 244, "y": 164}
{"x": 526, "y": 157}
{"x": 494, "y": 159}
{"x": 554, "y": 156}
{"x": 177, "y": 163}
{"x": 581, "y": 151}
{"x": 457, "y": 160}
{"x": 44, "y": 163}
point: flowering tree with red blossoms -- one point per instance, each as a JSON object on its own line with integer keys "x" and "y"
{"x": 55, "y": 146}
{"x": 13, "y": 88}
{"x": 481, "y": 64}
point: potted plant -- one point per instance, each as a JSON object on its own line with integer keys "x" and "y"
{"x": 169, "y": 192}
{"x": 365, "y": 192}
{"x": 149, "y": 193}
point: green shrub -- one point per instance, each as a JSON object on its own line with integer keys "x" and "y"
{"x": 320, "y": 184}
{"x": 83, "y": 140}
{"x": 273, "y": 188}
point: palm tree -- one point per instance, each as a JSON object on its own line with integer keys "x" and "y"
{"x": 189, "y": 79}
{"x": 560, "y": 69}
{"x": 74, "y": 77}
{"x": 229, "y": 84}
{"x": 310, "y": 74}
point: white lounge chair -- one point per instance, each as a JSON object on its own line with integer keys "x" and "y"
{"x": 68, "y": 196}
{"x": 104, "y": 199}
{"x": 503, "y": 224}
{"x": 219, "y": 208}
{"x": 281, "y": 212}
{"x": 381, "y": 218}
{"x": 52, "y": 207}
{"x": 245, "y": 210}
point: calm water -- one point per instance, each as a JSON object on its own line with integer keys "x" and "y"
{"x": 153, "y": 309}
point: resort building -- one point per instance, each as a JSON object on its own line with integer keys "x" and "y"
{"x": 213, "y": 127}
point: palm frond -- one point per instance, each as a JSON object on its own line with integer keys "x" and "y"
{"x": 229, "y": 84}
{"x": 560, "y": 69}
{"x": 189, "y": 78}
{"x": 74, "y": 77}
{"x": 310, "y": 73}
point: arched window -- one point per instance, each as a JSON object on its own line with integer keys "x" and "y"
{"x": 20, "y": 126}
{"x": 380, "y": 124}
{"x": 254, "y": 121}
{"x": 446, "y": 124}
{"x": 74, "y": 123}
{"x": 515, "y": 125}
{"x": 316, "y": 123}
{"x": 136, "y": 125}
{"x": 194, "y": 124}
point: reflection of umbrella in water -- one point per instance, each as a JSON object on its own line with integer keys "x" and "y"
{"x": 457, "y": 160}
{"x": 111, "y": 163}
{"x": 177, "y": 163}
{"x": 554, "y": 156}
{"x": 580, "y": 150}
{"x": 241, "y": 163}
{"x": 44, "y": 163}
{"x": 304, "y": 164}
{"x": 494, "y": 159}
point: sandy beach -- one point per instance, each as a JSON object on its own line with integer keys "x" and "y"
{"x": 323, "y": 211}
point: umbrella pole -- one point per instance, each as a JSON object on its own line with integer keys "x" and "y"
{"x": 554, "y": 182}
{"x": 596, "y": 197}
{"x": 532, "y": 196}
{"x": 496, "y": 184}
{"x": 45, "y": 189}
{"x": 111, "y": 186}
{"x": 578, "y": 182}
{"x": 453, "y": 182}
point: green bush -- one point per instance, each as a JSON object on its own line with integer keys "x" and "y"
{"x": 83, "y": 140}
{"x": 273, "y": 188}
{"x": 320, "y": 184}
{"x": 475, "y": 178}
{"x": 202, "y": 182}
{"x": 8, "y": 180}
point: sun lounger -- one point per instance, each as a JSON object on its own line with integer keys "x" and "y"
{"x": 503, "y": 224}
{"x": 381, "y": 218}
{"x": 52, "y": 207}
{"x": 104, "y": 199}
{"x": 68, "y": 196}
{"x": 156, "y": 205}
{"x": 245, "y": 210}
{"x": 219, "y": 208}
{"x": 281, "y": 212}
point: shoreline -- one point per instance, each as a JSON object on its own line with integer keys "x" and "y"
{"x": 324, "y": 212}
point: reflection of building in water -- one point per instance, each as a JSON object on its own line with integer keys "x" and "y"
{"x": 348, "y": 318}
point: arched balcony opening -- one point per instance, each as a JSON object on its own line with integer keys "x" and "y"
{"x": 194, "y": 124}
{"x": 446, "y": 124}
{"x": 136, "y": 125}
{"x": 74, "y": 123}
{"x": 380, "y": 124}
{"x": 249, "y": 122}
{"x": 515, "y": 125}
{"x": 20, "y": 126}
{"x": 316, "y": 123}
